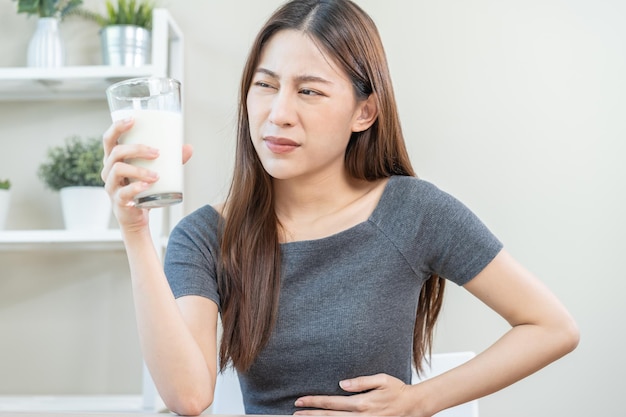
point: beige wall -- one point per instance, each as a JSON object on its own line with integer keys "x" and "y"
{"x": 517, "y": 108}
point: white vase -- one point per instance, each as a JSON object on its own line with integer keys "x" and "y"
{"x": 46, "y": 49}
{"x": 85, "y": 208}
{"x": 5, "y": 199}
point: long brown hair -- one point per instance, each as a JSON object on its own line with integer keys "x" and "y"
{"x": 250, "y": 267}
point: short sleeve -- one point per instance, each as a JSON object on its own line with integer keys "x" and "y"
{"x": 190, "y": 257}
{"x": 436, "y": 233}
{"x": 464, "y": 245}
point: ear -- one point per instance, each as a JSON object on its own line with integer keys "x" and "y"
{"x": 366, "y": 114}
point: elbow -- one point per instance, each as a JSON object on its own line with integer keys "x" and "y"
{"x": 569, "y": 336}
{"x": 189, "y": 405}
{"x": 573, "y": 336}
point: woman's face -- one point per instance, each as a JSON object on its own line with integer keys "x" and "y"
{"x": 302, "y": 109}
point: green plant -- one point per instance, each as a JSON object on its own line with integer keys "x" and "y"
{"x": 5, "y": 184}
{"x": 127, "y": 12}
{"x": 48, "y": 8}
{"x": 77, "y": 163}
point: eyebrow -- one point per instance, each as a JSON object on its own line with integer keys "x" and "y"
{"x": 299, "y": 78}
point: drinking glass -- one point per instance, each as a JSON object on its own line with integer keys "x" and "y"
{"x": 155, "y": 106}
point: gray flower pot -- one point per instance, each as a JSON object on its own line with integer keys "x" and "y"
{"x": 125, "y": 45}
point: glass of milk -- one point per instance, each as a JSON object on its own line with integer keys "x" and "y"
{"x": 155, "y": 105}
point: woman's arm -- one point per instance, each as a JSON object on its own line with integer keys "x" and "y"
{"x": 178, "y": 338}
{"x": 542, "y": 331}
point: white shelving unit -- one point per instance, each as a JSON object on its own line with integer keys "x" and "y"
{"x": 20, "y": 240}
{"x": 89, "y": 83}
{"x": 79, "y": 82}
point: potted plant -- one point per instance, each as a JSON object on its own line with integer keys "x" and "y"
{"x": 125, "y": 32}
{"x": 45, "y": 48}
{"x": 73, "y": 169}
{"x": 5, "y": 199}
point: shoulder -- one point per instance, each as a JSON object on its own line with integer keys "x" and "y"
{"x": 202, "y": 215}
{"x": 412, "y": 193}
{"x": 410, "y": 200}
{"x": 404, "y": 182}
{"x": 200, "y": 225}
{"x": 450, "y": 239}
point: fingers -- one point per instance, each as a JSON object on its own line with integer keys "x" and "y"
{"x": 115, "y": 153}
{"x": 124, "y": 196}
{"x": 123, "y": 181}
{"x": 374, "y": 396}
{"x": 119, "y": 187}
{"x": 341, "y": 402}
{"x": 121, "y": 153}
{"x": 364, "y": 383}
{"x": 322, "y": 413}
{"x": 331, "y": 404}
{"x": 119, "y": 174}
{"x": 113, "y": 133}
{"x": 125, "y": 170}
{"x": 187, "y": 152}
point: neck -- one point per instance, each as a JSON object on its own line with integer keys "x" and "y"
{"x": 295, "y": 197}
{"x": 298, "y": 200}
{"x": 315, "y": 209}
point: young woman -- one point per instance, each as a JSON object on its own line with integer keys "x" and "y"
{"x": 327, "y": 261}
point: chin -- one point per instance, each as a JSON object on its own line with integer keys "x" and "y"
{"x": 281, "y": 172}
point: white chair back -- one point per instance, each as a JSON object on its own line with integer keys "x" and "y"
{"x": 228, "y": 399}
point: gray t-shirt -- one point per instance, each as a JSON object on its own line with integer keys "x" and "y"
{"x": 348, "y": 301}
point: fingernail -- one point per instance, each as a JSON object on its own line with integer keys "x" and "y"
{"x": 298, "y": 403}
{"x": 345, "y": 383}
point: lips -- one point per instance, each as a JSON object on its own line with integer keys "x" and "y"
{"x": 280, "y": 145}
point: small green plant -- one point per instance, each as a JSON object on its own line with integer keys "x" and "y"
{"x": 5, "y": 184}
{"x": 48, "y": 8}
{"x": 77, "y": 163}
{"x": 127, "y": 12}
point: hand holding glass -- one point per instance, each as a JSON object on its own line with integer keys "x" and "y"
{"x": 155, "y": 106}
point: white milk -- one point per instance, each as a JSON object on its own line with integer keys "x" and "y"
{"x": 162, "y": 130}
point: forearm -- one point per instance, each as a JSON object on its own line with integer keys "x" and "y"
{"x": 542, "y": 331}
{"x": 523, "y": 350}
{"x": 174, "y": 358}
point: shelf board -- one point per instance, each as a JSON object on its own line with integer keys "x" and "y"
{"x": 74, "y": 82}
{"x": 18, "y": 240}
{"x": 72, "y": 403}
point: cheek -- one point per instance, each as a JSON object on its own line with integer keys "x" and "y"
{"x": 255, "y": 114}
{"x": 249, "y": 107}
{"x": 255, "y": 121}
{"x": 336, "y": 127}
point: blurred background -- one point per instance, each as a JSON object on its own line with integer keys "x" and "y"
{"x": 515, "y": 107}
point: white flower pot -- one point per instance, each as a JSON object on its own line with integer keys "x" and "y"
{"x": 85, "y": 208}
{"x": 46, "y": 49}
{"x": 5, "y": 200}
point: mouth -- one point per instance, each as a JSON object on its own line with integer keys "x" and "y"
{"x": 280, "y": 145}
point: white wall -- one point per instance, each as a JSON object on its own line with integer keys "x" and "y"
{"x": 515, "y": 107}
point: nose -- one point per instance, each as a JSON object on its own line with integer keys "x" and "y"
{"x": 283, "y": 111}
